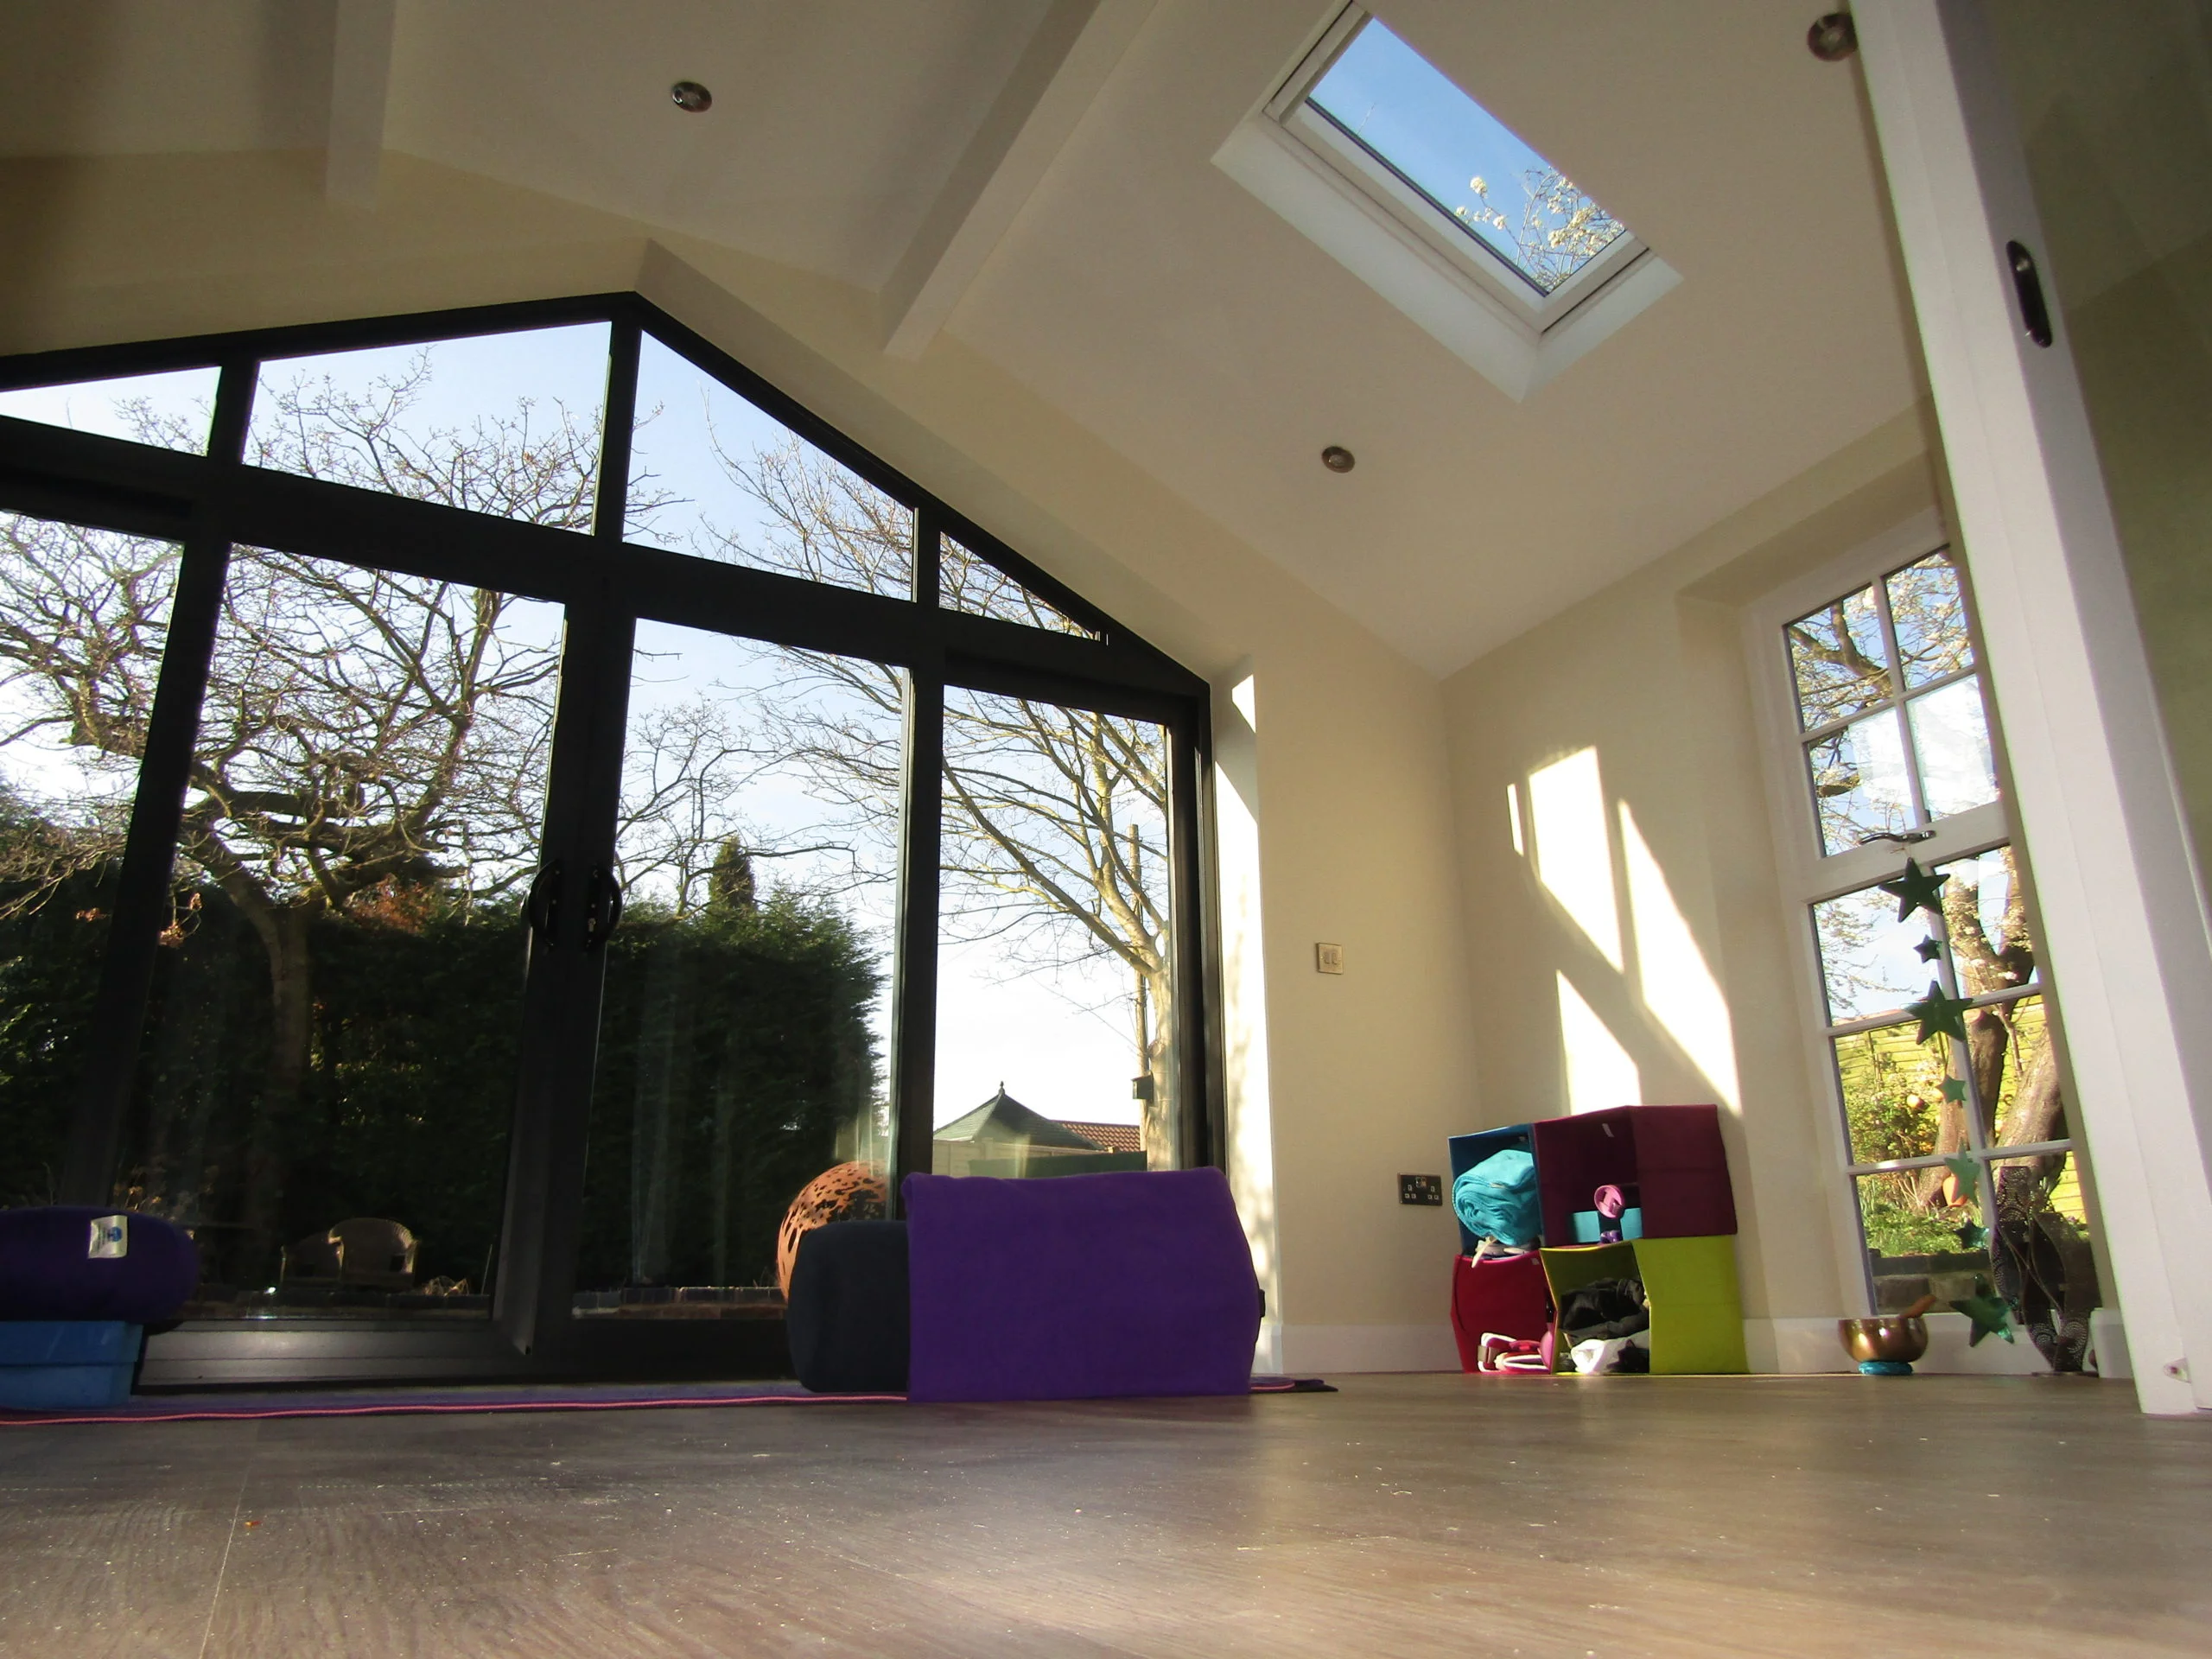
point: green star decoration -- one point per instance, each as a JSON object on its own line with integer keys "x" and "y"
{"x": 1917, "y": 889}
{"x": 1930, "y": 948}
{"x": 1940, "y": 1015}
{"x": 1967, "y": 1174}
{"x": 1971, "y": 1234}
{"x": 1990, "y": 1315}
{"x": 1955, "y": 1089}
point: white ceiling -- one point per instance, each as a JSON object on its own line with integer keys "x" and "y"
{"x": 1126, "y": 280}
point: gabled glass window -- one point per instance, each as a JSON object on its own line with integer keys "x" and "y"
{"x": 507, "y": 424}
{"x": 169, "y": 411}
{"x": 528, "y": 885}
{"x": 714, "y": 475}
{"x": 967, "y": 583}
{"x": 1462, "y": 160}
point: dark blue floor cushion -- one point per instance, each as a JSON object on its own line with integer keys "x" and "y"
{"x": 847, "y": 1316}
{"x": 80, "y": 1262}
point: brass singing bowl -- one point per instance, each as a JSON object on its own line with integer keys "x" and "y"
{"x": 1887, "y": 1335}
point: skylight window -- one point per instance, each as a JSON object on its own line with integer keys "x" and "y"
{"x": 1395, "y": 171}
{"x": 1393, "y": 103}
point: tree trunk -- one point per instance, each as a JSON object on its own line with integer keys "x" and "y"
{"x": 283, "y": 931}
{"x": 1156, "y": 1051}
{"x": 2039, "y": 1109}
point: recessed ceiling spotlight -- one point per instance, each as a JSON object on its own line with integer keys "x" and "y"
{"x": 690, "y": 96}
{"x": 1833, "y": 38}
{"x": 1338, "y": 458}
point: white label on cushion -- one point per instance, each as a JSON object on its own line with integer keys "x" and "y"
{"x": 110, "y": 1237}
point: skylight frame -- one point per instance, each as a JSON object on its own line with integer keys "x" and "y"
{"x": 1418, "y": 259}
{"x": 1372, "y": 173}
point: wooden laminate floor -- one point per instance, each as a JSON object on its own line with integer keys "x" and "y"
{"x": 1406, "y": 1515}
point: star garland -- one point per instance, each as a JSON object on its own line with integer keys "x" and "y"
{"x": 1940, "y": 1015}
{"x": 1991, "y": 1316}
{"x": 1917, "y": 889}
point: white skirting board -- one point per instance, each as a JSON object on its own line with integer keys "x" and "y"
{"x": 1807, "y": 1346}
{"x": 1789, "y": 1347}
{"x": 1317, "y": 1349}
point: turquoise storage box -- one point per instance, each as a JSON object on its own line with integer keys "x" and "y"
{"x": 1589, "y": 1224}
{"x": 50, "y": 1364}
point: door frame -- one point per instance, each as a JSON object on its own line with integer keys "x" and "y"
{"x": 2122, "y": 902}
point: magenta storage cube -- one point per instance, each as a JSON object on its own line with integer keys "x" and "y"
{"x": 1669, "y": 1161}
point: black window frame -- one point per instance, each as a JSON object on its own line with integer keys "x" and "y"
{"x": 208, "y": 502}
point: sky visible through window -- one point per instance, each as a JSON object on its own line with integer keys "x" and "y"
{"x": 1479, "y": 174}
{"x": 1058, "y": 1039}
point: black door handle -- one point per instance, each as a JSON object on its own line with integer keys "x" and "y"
{"x": 602, "y": 906}
{"x": 542, "y": 909}
{"x": 2027, "y": 283}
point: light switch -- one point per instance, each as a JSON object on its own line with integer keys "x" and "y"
{"x": 1328, "y": 958}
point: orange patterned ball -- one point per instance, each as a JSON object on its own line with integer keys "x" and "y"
{"x": 843, "y": 1193}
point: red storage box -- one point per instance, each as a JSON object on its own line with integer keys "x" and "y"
{"x": 1505, "y": 1295}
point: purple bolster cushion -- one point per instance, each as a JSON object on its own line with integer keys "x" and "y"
{"x": 1079, "y": 1287}
{"x": 60, "y": 1263}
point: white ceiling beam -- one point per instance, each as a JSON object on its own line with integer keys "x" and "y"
{"x": 361, "y": 81}
{"x": 1061, "y": 73}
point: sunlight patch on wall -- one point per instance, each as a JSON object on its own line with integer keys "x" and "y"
{"x": 1677, "y": 987}
{"x": 1599, "y": 1072}
{"x": 1574, "y": 856}
{"x": 1244, "y": 987}
{"x": 1513, "y": 817}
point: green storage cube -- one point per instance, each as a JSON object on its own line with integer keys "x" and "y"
{"x": 1697, "y": 1310}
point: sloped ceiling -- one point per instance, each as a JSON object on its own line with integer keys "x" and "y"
{"x": 1057, "y": 191}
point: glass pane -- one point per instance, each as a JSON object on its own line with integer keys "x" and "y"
{"x": 1859, "y": 787}
{"x": 1054, "y": 984}
{"x": 1894, "y": 1104}
{"x": 747, "y": 1017}
{"x": 327, "y": 1078}
{"x": 1914, "y": 1243}
{"x": 713, "y": 475}
{"x": 83, "y": 616}
{"x": 506, "y": 424}
{"x": 1986, "y": 917}
{"x": 966, "y": 582}
{"x": 171, "y": 411}
{"x": 1838, "y": 659}
{"x": 1928, "y": 608}
{"x": 2044, "y": 1266}
{"x": 1872, "y": 963}
{"x": 1391, "y": 99}
{"x": 1950, "y": 737}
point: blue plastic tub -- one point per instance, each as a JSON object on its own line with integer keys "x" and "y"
{"x": 51, "y": 1364}
{"x": 1590, "y": 1226}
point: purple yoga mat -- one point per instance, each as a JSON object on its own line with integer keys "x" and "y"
{"x": 1080, "y": 1286}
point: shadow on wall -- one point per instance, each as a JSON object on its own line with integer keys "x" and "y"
{"x": 1641, "y": 976}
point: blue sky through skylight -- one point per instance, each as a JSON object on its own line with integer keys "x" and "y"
{"x": 1402, "y": 108}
